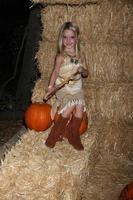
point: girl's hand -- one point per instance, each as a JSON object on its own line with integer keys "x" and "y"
{"x": 80, "y": 69}
{"x": 49, "y": 91}
{"x": 83, "y": 71}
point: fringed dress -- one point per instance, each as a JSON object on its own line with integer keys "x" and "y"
{"x": 72, "y": 92}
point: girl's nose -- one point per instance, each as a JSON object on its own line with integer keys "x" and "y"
{"x": 68, "y": 40}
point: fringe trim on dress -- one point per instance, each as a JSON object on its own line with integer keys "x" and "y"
{"x": 72, "y": 103}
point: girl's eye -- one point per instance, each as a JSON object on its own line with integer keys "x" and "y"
{"x": 64, "y": 37}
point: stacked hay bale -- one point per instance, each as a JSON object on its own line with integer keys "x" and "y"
{"x": 105, "y": 166}
{"x": 32, "y": 171}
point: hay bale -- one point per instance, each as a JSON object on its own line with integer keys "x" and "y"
{"x": 109, "y": 102}
{"x": 38, "y": 91}
{"x": 110, "y": 162}
{"x": 46, "y": 60}
{"x": 33, "y": 171}
{"x": 101, "y": 23}
{"x": 109, "y": 63}
{"x": 67, "y": 2}
{"x": 114, "y": 102}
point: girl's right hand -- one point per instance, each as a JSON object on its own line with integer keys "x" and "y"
{"x": 49, "y": 91}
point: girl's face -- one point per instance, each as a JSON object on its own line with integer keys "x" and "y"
{"x": 69, "y": 39}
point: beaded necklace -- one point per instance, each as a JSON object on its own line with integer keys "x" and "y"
{"x": 73, "y": 58}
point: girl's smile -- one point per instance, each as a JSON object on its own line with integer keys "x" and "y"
{"x": 69, "y": 39}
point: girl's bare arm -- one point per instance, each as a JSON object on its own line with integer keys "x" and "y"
{"x": 83, "y": 69}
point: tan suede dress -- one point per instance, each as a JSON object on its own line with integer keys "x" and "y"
{"x": 72, "y": 92}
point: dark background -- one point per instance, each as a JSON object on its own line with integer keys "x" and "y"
{"x": 13, "y": 19}
{"x": 20, "y": 29}
{"x": 20, "y": 32}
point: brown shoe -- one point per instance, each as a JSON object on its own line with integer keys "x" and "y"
{"x": 74, "y": 135}
{"x": 57, "y": 131}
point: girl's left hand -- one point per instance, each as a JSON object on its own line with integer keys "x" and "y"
{"x": 80, "y": 69}
{"x": 83, "y": 71}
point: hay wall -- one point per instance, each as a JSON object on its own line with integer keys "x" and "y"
{"x": 107, "y": 40}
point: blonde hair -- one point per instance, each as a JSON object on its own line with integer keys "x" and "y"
{"x": 67, "y": 26}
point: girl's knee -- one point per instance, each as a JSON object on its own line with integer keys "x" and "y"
{"x": 79, "y": 111}
{"x": 68, "y": 111}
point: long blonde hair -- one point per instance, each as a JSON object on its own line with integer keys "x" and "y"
{"x": 68, "y": 26}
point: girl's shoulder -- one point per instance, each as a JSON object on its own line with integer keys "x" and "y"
{"x": 63, "y": 58}
{"x": 59, "y": 58}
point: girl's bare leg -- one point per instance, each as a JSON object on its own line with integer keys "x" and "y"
{"x": 79, "y": 109}
{"x": 68, "y": 111}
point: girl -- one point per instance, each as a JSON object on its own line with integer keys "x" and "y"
{"x": 70, "y": 98}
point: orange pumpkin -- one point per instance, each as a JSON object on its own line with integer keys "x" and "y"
{"x": 127, "y": 192}
{"x": 37, "y": 116}
{"x": 84, "y": 123}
